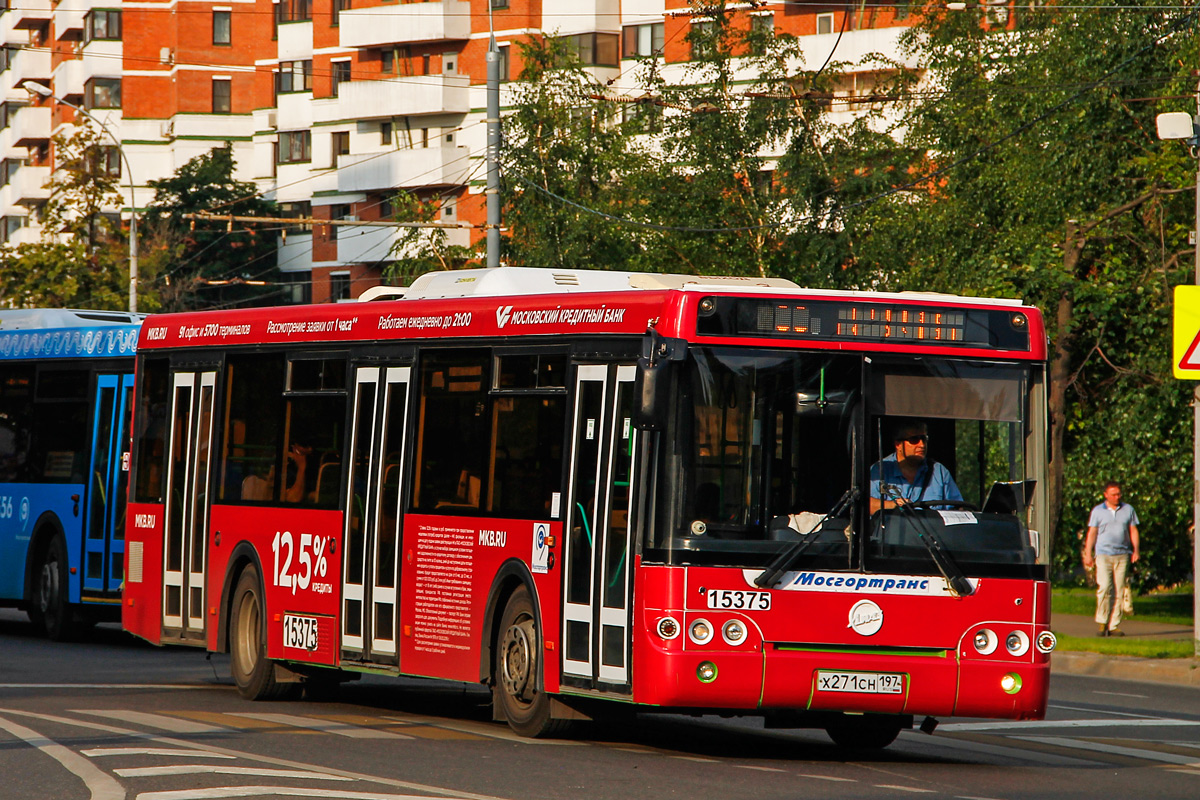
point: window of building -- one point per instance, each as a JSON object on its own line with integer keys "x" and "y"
{"x": 595, "y": 49}
{"x": 425, "y": 64}
{"x": 642, "y": 40}
{"x": 104, "y": 160}
{"x": 503, "y": 51}
{"x": 298, "y": 210}
{"x": 386, "y": 208}
{"x": 295, "y": 146}
{"x": 499, "y": 3}
{"x": 387, "y": 61}
{"x": 340, "y": 74}
{"x": 293, "y": 11}
{"x": 339, "y": 145}
{"x": 824, "y": 23}
{"x": 10, "y": 225}
{"x": 385, "y": 133}
{"x": 296, "y": 288}
{"x": 339, "y": 286}
{"x": 643, "y": 117}
{"x": 102, "y": 93}
{"x": 703, "y": 37}
{"x": 449, "y": 209}
{"x": 338, "y": 211}
{"x": 338, "y": 7}
{"x": 762, "y": 30}
{"x": 5, "y": 58}
{"x": 222, "y": 95}
{"x": 293, "y": 76}
{"x": 102, "y": 23}
{"x": 222, "y": 27}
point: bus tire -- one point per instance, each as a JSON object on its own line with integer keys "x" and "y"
{"x": 866, "y": 732}
{"x": 516, "y": 692}
{"x": 253, "y": 672}
{"x": 51, "y": 610}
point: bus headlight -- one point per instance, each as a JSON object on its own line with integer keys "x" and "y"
{"x": 734, "y": 632}
{"x": 986, "y": 642}
{"x": 706, "y": 672}
{"x": 1046, "y": 641}
{"x": 668, "y": 628}
{"x": 700, "y": 631}
{"x": 1017, "y": 643}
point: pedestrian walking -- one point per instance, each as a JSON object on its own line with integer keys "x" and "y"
{"x": 1112, "y": 546}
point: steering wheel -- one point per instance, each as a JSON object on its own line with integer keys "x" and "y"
{"x": 950, "y": 503}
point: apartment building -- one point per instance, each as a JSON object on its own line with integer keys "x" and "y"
{"x": 332, "y": 105}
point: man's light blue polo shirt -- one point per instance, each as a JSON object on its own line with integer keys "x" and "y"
{"x": 1112, "y": 528}
{"x": 941, "y": 482}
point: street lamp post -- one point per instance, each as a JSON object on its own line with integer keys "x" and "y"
{"x": 1181, "y": 125}
{"x": 45, "y": 91}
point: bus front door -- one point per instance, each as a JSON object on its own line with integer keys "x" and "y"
{"x": 372, "y": 516}
{"x": 104, "y": 542}
{"x": 597, "y": 604}
{"x": 184, "y": 551}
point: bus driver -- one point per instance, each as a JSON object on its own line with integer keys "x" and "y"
{"x": 909, "y": 476}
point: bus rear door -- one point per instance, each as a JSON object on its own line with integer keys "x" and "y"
{"x": 185, "y": 551}
{"x": 597, "y": 603}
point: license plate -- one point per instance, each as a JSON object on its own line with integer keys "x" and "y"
{"x": 299, "y": 632}
{"x": 739, "y": 600}
{"x": 860, "y": 682}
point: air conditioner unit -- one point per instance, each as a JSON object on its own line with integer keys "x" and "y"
{"x": 166, "y": 56}
{"x": 167, "y": 128}
{"x": 271, "y": 118}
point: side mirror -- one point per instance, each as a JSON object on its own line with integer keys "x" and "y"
{"x": 652, "y": 385}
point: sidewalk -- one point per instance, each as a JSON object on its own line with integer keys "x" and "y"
{"x": 1180, "y": 671}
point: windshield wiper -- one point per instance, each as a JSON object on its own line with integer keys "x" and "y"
{"x": 783, "y": 562}
{"x": 955, "y": 579}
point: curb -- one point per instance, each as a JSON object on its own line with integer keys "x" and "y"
{"x": 1178, "y": 671}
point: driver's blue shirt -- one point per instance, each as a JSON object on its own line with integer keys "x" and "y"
{"x": 941, "y": 485}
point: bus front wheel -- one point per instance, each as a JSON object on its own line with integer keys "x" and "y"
{"x": 253, "y": 672}
{"x": 524, "y": 704}
{"x": 50, "y": 611}
{"x": 865, "y": 732}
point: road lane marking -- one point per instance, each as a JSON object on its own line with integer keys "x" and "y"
{"x": 99, "y": 783}
{"x": 122, "y": 686}
{"x": 220, "y": 769}
{"x": 1123, "y": 694}
{"x": 1012, "y": 750}
{"x": 1110, "y": 712}
{"x": 279, "y": 762}
{"x": 218, "y": 792}
{"x": 828, "y": 778}
{"x": 898, "y": 788}
{"x": 698, "y": 759}
{"x": 1008, "y": 725}
{"x": 759, "y": 769}
{"x": 100, "y": 752}
{"x": 148, "y": 720}
{"x": 1117, "y": 750}
{"x": 486, "y": 729}
{"x": 323, "y": 725}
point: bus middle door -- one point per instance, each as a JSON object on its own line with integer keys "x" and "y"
{"x": 372, "y": 515}
{"x": 104, "y": 542}
{"x": 597, "y": 604}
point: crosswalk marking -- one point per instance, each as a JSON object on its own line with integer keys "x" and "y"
{"x": 221, "y": 769}
{"x": 323, "y": 725}
{"x": 232, "y": 722}
{"x": 1101, "y": 747}
{"x": 158, "y": 721}
{"x": 488, "y": 730}
{"x": 100, "y": 752}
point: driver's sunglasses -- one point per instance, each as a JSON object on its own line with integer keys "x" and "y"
{"x": 915, "y": 439}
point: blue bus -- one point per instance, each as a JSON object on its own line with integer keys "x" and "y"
{"x": 66, "y": 385}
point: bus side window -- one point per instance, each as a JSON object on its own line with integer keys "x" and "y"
{"x": 151, "y": 420}
{"x": 251, "y": 457}
{"x": 453, "y": 421}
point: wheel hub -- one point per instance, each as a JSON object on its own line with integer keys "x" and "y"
{"x": 48, "y": 588}
{"x": 517, "y": 662}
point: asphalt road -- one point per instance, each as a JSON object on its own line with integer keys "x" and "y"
{"x": 110, "y": 717}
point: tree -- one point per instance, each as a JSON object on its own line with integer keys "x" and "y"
{"x": 421, "y": 250}
{"x": 204, "y": 264}
{"x": 81, "y": 260}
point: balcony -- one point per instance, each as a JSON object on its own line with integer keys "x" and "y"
{"x": 412, "y": 22}
{"x": 69, "y": 78}
{"x": 404, "y": 97}
{"x": 27, "y": 185}
{"x": 29, "y": 15}
{"x": 31, "y": 126}
{"x": 294, "y": 255}
{"x": 29, "y": 65}
{"x": 371, "y": 245}
{"x": 68, "y": 19}
{"x": 410, "y": 168}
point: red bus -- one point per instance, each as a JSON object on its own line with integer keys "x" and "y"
{"x": 582, "y": 487}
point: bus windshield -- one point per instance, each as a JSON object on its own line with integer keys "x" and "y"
{"x": 778, "y": 447}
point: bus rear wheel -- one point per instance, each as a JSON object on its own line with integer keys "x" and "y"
{"x": 253, "y": 672}
{"x": 524, "y": 704}
{"x": 866, "y": 732}
{"x": 50, "y": 611}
